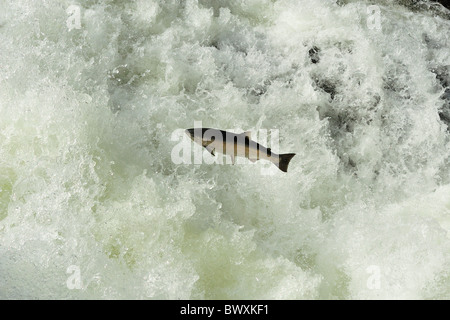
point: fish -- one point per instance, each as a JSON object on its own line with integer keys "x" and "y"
{"x": 237, "y": 145}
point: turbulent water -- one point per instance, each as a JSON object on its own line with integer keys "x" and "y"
{"x": 94, "y": 93}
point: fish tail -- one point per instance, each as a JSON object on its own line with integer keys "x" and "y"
{"x": 284, "y": 160}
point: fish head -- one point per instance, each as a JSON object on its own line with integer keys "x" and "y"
{"x": 196, "y": 135}
{"x": 202, "y": 136}
{"x": 190, "y": 133}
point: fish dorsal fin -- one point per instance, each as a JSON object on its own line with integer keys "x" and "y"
{"x": 247, "y": 134}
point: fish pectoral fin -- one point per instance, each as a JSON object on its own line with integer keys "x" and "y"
{"x": 232, "y": 159}
{"x": 210, "y": 149}
{"x": 252, "y": 160}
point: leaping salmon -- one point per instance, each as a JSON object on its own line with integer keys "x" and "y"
{"x": 237, "y": 145}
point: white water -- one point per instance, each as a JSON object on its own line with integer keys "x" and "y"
{"x": 87, "y": 181}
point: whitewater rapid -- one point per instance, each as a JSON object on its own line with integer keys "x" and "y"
{"x": 94, "y": 92}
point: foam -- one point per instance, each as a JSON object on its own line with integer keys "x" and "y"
{"x": 87, "y": 182}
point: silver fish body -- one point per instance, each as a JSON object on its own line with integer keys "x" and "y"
{"x": 237, "y": 145}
